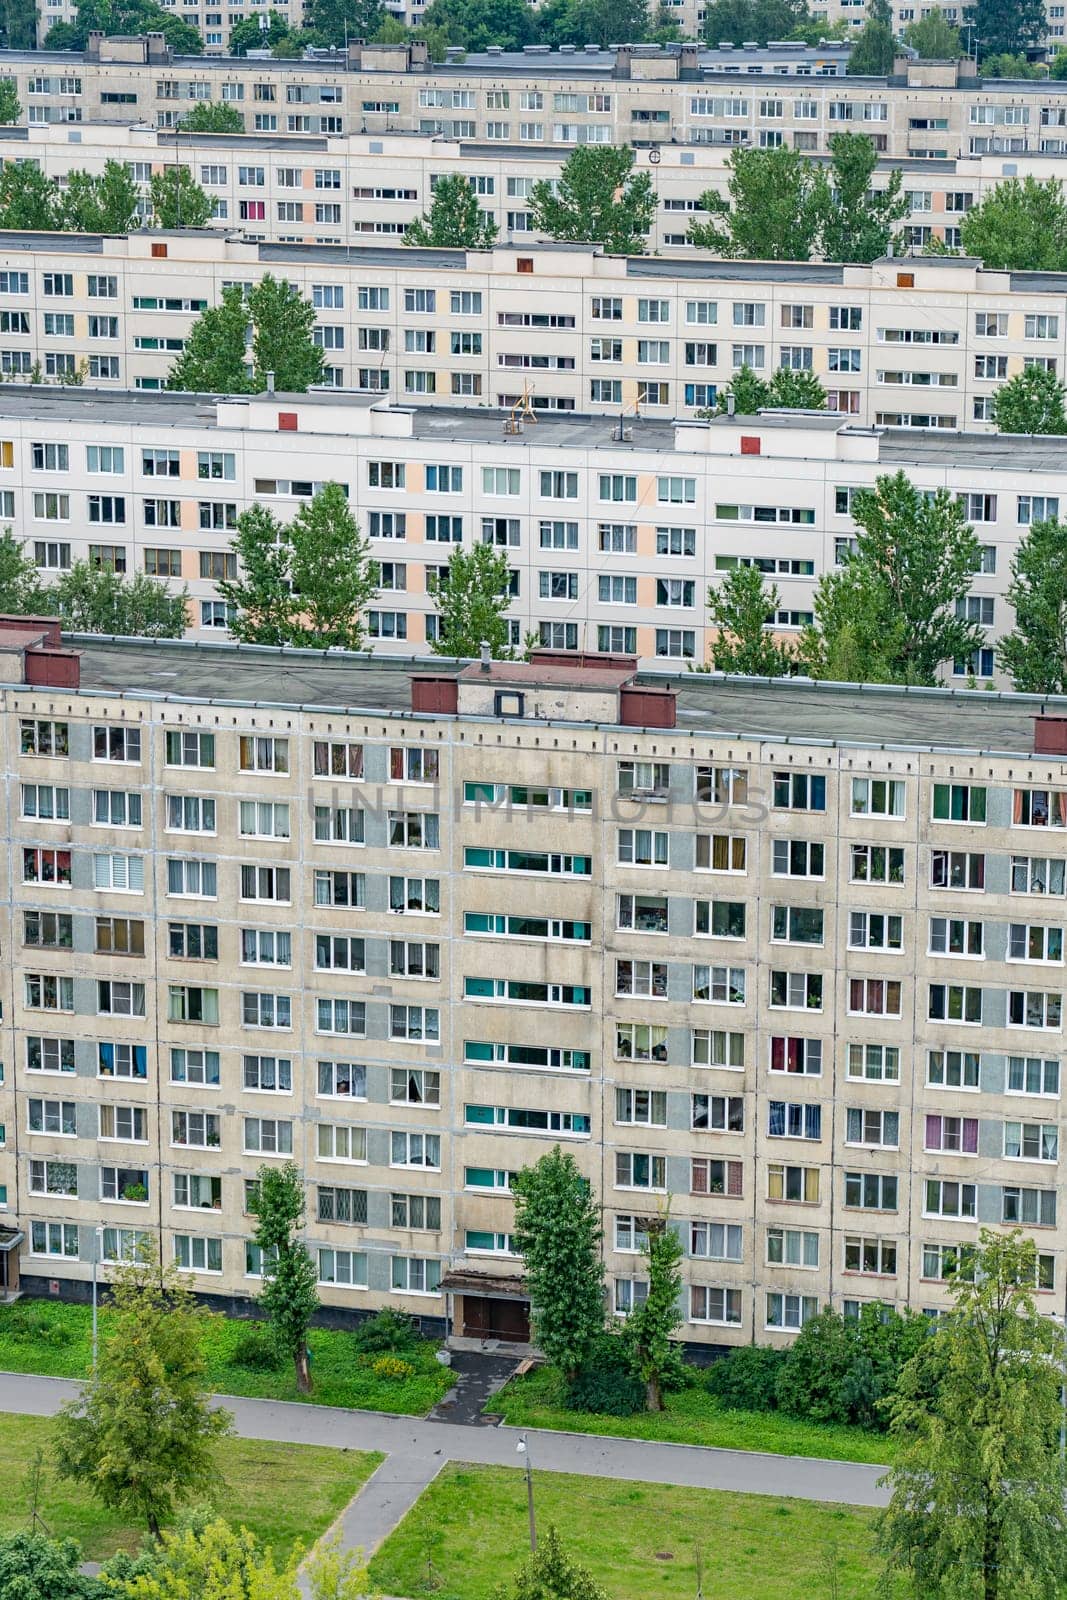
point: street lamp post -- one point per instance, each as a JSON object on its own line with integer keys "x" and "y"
{"x": 523, "y": 1449}
{"x": 98, "y": 1240}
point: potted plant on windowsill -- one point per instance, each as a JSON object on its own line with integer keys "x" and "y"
{"x": 136, "y": 1192}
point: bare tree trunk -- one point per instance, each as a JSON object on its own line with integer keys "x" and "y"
{"x": 653, "y": 1395}
{"x": 303, "y": 1369}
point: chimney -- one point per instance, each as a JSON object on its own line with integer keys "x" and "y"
{"x": 270, "y": 383}
{"x": 486, "y": 655}
{"x": 1050, "y": 736}
{"x": 731, "y": 405}
{"x": 31, "y": 651}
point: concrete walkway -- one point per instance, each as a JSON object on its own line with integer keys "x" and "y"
{"x": 418, "y": 1449}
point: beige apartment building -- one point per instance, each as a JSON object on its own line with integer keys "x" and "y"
{"x": 768, "y": 971}
{"x": 642, "y": 95}
{"x": 304, "y": 189}
{"x": 914, "y": 343}
{"x": 613, "y": 536}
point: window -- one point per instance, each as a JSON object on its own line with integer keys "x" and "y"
{"x": 877, "y": 797}
{"x": 956, "y": 869}
{"x": 635, "y": 1170}
{"x": 795, "y": 1185}
{"x": 126, "y": 1123}
{"x": 1034, "y": 1009}
{"x": 190, "y": 877}
{"x": 415, "y": 1150}
{"x": 190, "y": 813}
{"x": 796, "y": 991}
{"x": 42, "y": 738}
{"x": 792, "y": 1247}
{"x": 956, "y": 936}
{"x": 267, "y": 1074}
{"x": 264, "y": 754}
{"x": 1031, "y": 1141}
{"x": 118, "y": 872}
{"x": 959, "y": 802}
{"x": 874, "y": 1256}
{"x": 268, "y": 1137}
{"x": 799, "y": 791}
{"x": 638, "y": 1041}
{"x": 791, "y": 1054}
{"x": 873, "y": 930}
{"x": 870, "y": 1191}
{"x": 647, "y": 1107}
{"x": 189, "y": 749}
{"x": 194, "y": 941}
{"x": 191, "y": 1003}
{"x": 50, "y": 930}
{"x": 194, "y": 1067}
{"x": 414, "y": 1023}
{"x": 116, "y": 744}
{"x": 796, "y": 925}
{"x": 719, "y": 985}
{"x": 876, "y": 863}
{"x": 720, "y": 852}
{"x": 264, "y": 883}
{"x": 45, "y": 802}
{"x": 339, "y": 952}
{"x": 1037, "y": 875}
{"x": 955, "y": 1135}
{"x": 1035, "y": 1207}
{"x": 1033, "y": 1075}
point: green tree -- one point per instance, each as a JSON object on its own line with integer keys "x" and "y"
{"x": 740, "y": 608}
{"x": 455, "y": 220}
{"x": 549, "y": 1573}
{"x": 306, "y": 584}
{"x": 261, "y": 597}
{"x": 21, "y": 590}
{"x": 1021, "y": 225}
{"x": 851, "y": 640}
{"x": 934, "y": 37}
{"x": 100, "y": 600}
{"x": 857, "y": 222}
{"x": 35, "y": 1568}
{"x": 331, "y": 572}
{"x": 1006, "y": 27}
{"x": 772, "y": 212}
{"x": 178, "y": 200}
{"x": 10, "y": 110}
{"x": 1034, "y": 653}
{"x": 472, "y": 602}
{"x": 206, "y": 117}
{"x": 1008, "y": 65}
{"x": 475, "y": 24}
{"x": 283, "y": 323}
{"x": 557, "y": 1232}
{"x": 140, "y": 1436}
{"x": 874, "y": 50}
{"x": 598, "y": 199}
{"x": 28, "y": 198}
{"x": 340, "y": 20}
{"x": 1031, "y": 402}
{"x": 760, "y": 20}
{"x": 215, "y": 357}
{"x": 1058, "y": 65}
{"x": 124, "y": 16}
{"x": 103, "y": 202}
{"x": 257, "y": 33}
{"x": 796, "y": 390}
{"x": 915, "y": 560}
{"x": 210, "y": 1562}
{"x": 745, "y": 394}
{"x": 602, "y": 22}
{"x": 652, "y": 1353}
{"x": 18, "y": 25}
{"x": 977, "y": 1508}
{"x": 288, "y": 1296}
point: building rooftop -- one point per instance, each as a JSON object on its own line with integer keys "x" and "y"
{"x": 796, "y": 711}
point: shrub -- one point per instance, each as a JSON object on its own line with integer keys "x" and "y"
{"x": 745, "y": 1379}
{"x": 392, "y": 1369}
{"x": 384, "y": 1333}
{"x": 31, "y": 1324}
{"x": 605, "y": 1391}
{"x": 256, "y": 1349}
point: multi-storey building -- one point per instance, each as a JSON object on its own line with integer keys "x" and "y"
{"x": 570, "y": 328}
{"x": 612, "y": 534}
{"x": 777, "y": 974}
{"x": 794, "y": 95}
{"x": 328, "y": 190}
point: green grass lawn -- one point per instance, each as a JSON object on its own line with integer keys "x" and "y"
{"x": 282, "y": 1492}
{"x": 54, "y": 1339}
{"x": 691, "y": 1417}
{"x": 639, "y": 1539}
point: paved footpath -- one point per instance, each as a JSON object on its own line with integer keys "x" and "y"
{"x": 416, "y": 1450}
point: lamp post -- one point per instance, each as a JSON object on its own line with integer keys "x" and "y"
{"x": 523, "y": 1449}
{"x": 98, "y": 1244}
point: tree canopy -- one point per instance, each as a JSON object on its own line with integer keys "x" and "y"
{"x": 1034, "y": 653}
{"x": 307, "y": 583}
{"x": 217, "y": 348}
{"x": 124, "y": 16}
{"x": 1007, "y": 27}
{"x": 178, "y": 200}
{"x": 873, "y": 51}
{"x": 977, "y": 1509}
{"x": 740, "y": 608}
{"x": 108, "y": 201}
{"x": 475, "y": 24}
{"x": 652, "y": 1353}
{"x": 760, "y": 20}
{"x": 10, "y": 110}
{"x": 289, "y": 1296}
{"x": 1020, "y": 225}
{"x": 549, "y": 1573}
{"x": 97, "y": 599}
{"x": 472, "y": 602}
{"x": 890, "y": 614}
{"x": 33, "y": 1567}
{"x": 337, "y": 21}
{"x": 557, "y": 1232}
{"x": 1031, "y": 402}
{"x": 140, "y": 1436}
{"x": 781, "y": 206}
{"x": 213, "y": 117}
{"x": 455, "y": 220}
{"x": 597, "y": 199}
{"x": 934, "y": 37}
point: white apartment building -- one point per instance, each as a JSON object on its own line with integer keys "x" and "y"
{"x": 639, "y": 95}
{"x": 612, "y": 542}
{"x": 306, "y": 189}
{"x": 771, "y": 972}
{"x": 565, "y": 326}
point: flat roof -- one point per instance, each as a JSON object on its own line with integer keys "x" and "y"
{"x": 794, "y": 710}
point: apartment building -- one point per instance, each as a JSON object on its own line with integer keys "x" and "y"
{"x": 570, "y": 329}
{"x": 635, "y": 94}
{"x": 327, "y": 190}
{"x": 612, "y": 534}
{"x": 275, "y": 923}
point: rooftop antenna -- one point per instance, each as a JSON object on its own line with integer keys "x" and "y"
{"x": 521, "y": 411}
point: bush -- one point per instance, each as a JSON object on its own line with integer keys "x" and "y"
{"x": 256, "y": 1349}
{"x": 384, "y": 1333}
{"x": 745, "y": 1379}
{"x": 31, "y": 1324}
{"x": 392, "y": 1369}
{"x": 845, "y": 1369}
{"x": 606, "y": 1388}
